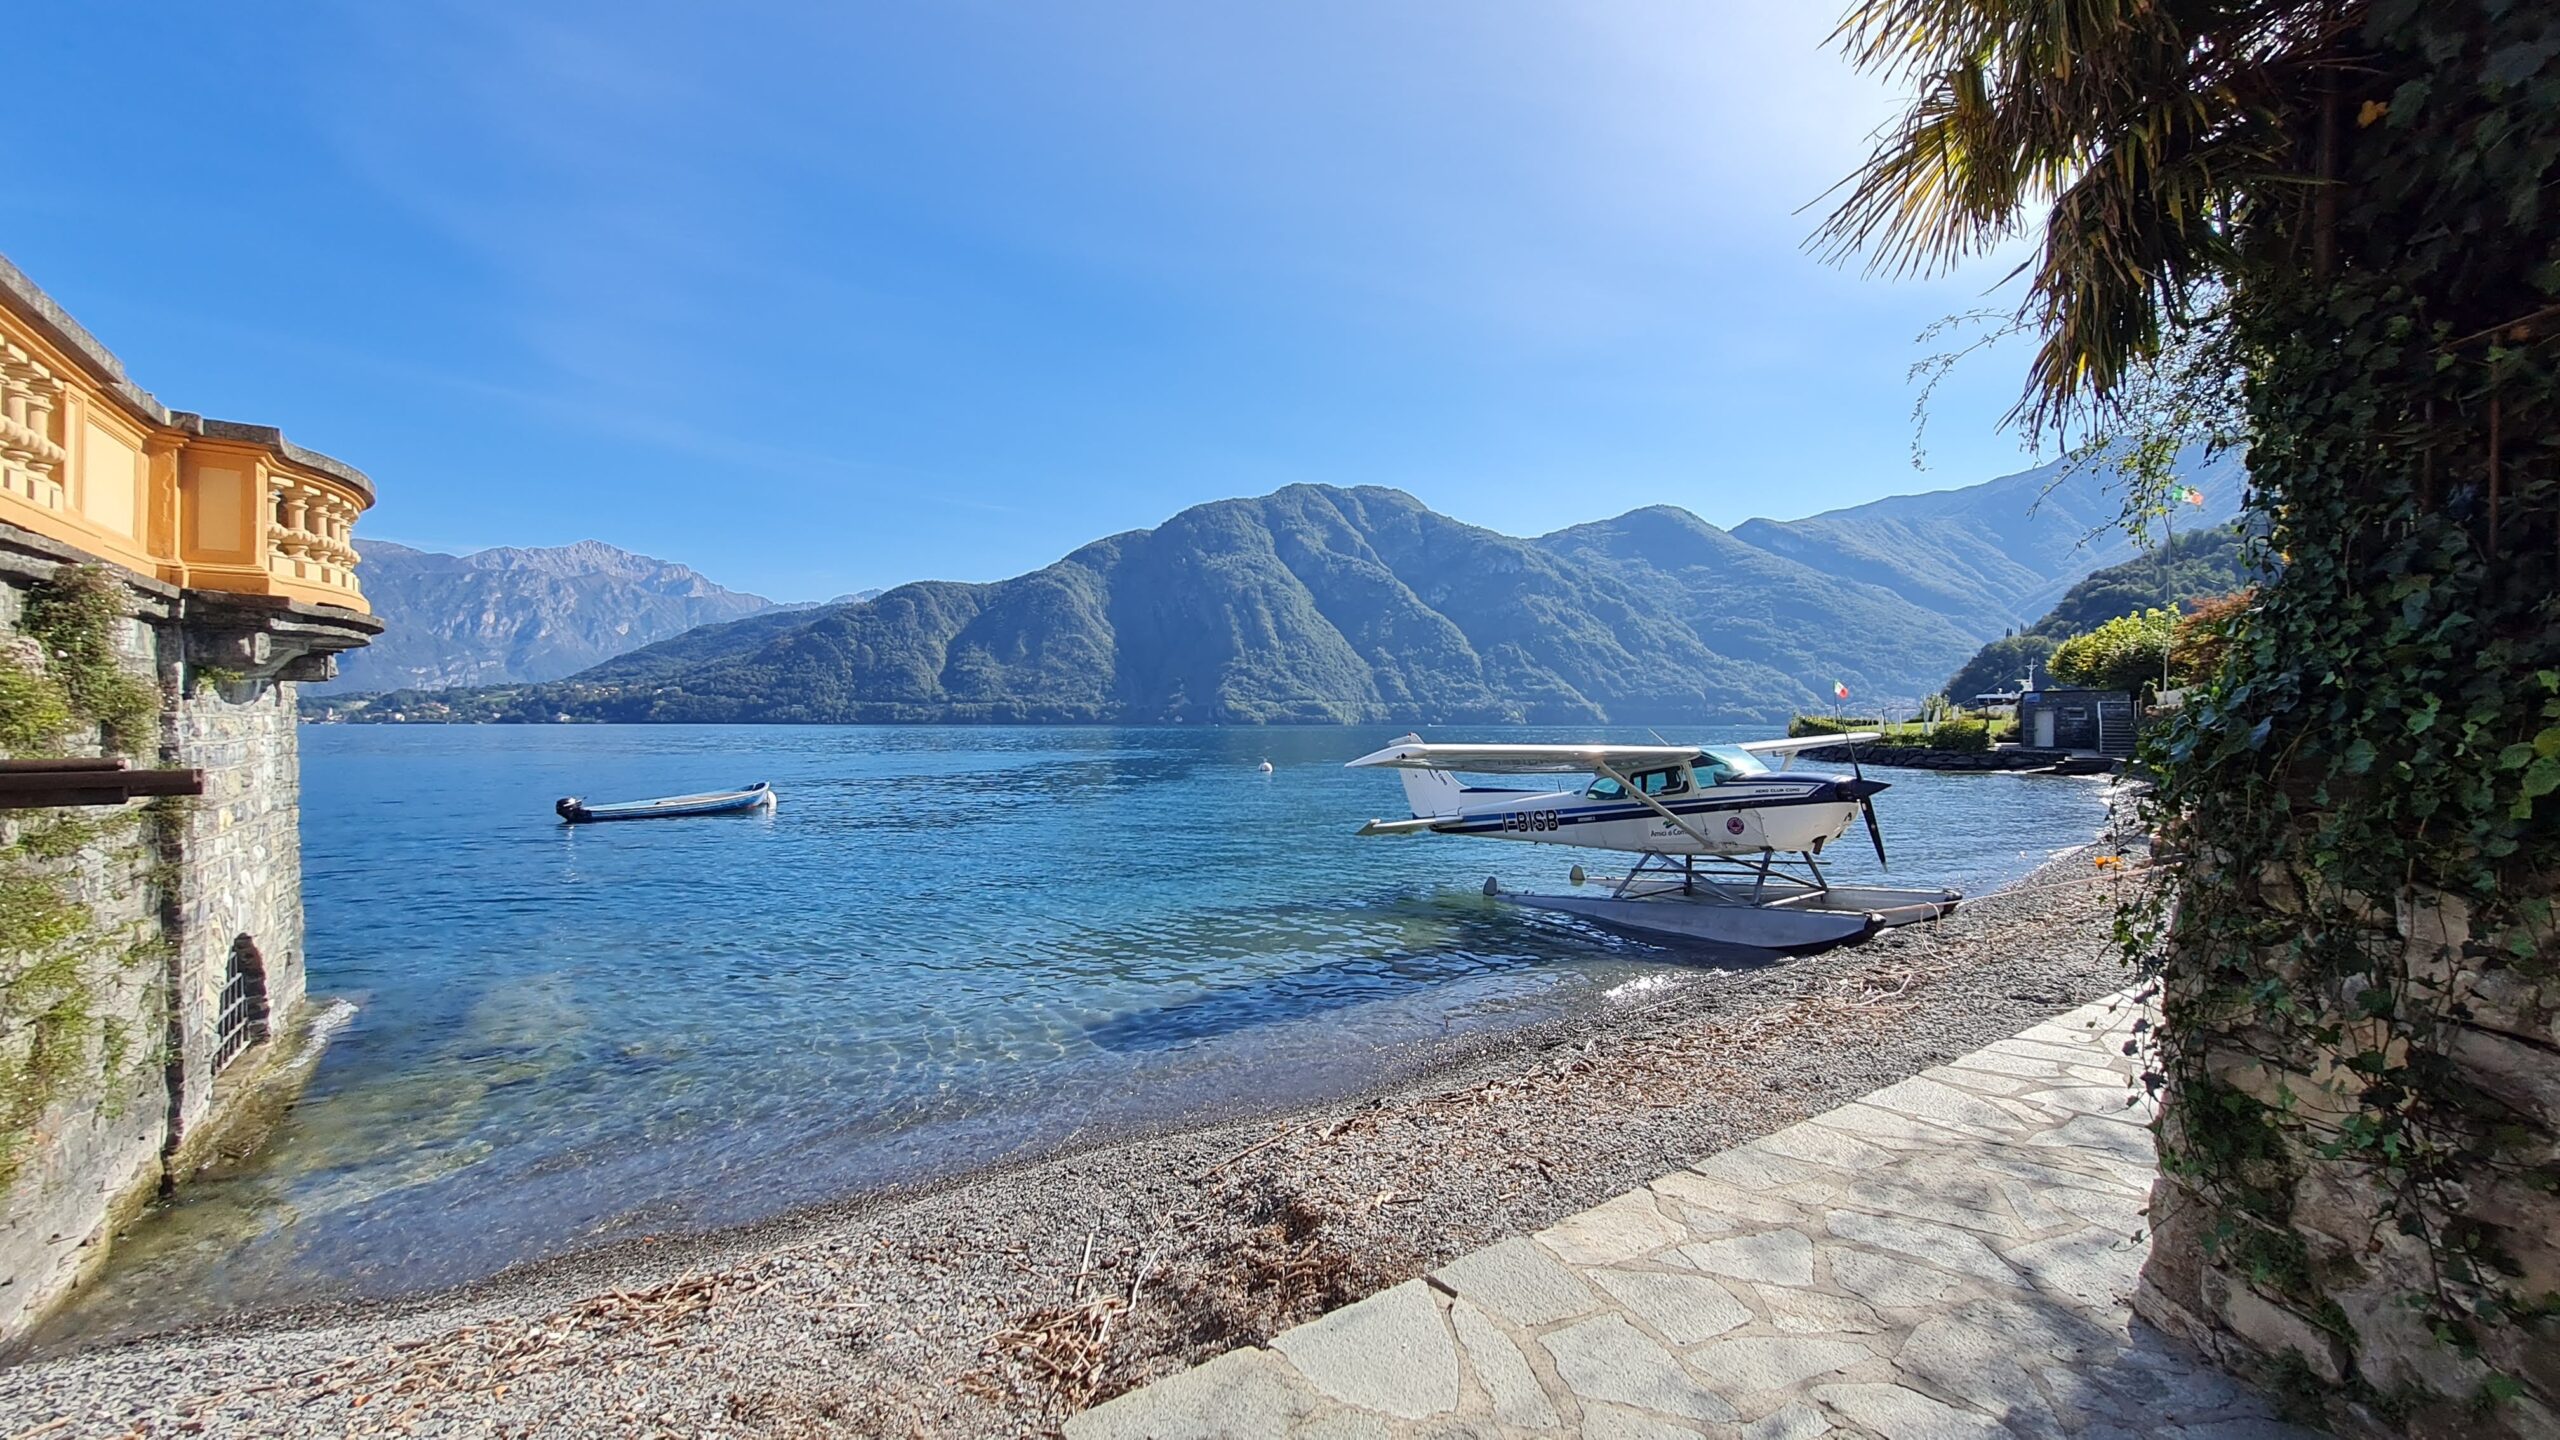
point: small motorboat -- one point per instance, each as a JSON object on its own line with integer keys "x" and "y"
{"x": 758, "y": 796}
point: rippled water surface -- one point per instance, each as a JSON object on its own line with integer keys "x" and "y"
{"x": 946, "y": 948}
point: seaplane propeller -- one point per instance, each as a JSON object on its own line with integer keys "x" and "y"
{"x": 1867, "y": 807}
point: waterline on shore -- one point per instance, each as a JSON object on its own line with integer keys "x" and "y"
{"x": 555, "y": 1056}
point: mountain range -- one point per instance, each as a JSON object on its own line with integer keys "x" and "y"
{"x": 1318, "y": 604}
{"x": 511, "y": 615}
{"x": 1987, "y": 556}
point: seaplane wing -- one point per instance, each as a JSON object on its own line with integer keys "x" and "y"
{"x": 1529, "y": 759}
{"x": 1650, "y": 799}
{"x": 1807, "y": 742}
{"x": 1786, "y": 749}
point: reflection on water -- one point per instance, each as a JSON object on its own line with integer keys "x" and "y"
{"x": 947, "y": 947}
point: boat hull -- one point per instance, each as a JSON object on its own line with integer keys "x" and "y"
{"x": 758, "y": 796}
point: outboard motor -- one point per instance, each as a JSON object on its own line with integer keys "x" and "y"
{"x": 569, "y": 807}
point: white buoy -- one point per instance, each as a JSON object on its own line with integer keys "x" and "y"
{"x": 1266, "y": 767}
{"x": 1575, "y": 875}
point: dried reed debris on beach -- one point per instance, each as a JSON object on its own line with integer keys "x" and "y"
{"x": 393, "y": 1388}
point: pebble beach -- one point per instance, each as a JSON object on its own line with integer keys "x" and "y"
{"x": 1001, "y": 1303}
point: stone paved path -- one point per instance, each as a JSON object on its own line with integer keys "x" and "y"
{"x": 1946, "y": 1259}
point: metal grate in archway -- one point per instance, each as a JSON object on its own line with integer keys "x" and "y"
{"x": 241, "y": 1020}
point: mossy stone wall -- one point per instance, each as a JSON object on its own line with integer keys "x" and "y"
{"x": 121, "y": 923}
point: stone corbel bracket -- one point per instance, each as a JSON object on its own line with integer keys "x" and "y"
{"x": 260, "y": 637}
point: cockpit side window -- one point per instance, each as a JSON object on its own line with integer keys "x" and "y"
{"x": 1660, "y": 782}
{"x": 1605, "y": 788}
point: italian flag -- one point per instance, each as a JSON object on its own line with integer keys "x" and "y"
{"x": 1839, "y": 691}
{"x": 2192, "y": 496}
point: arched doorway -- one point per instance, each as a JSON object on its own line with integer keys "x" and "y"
{"x": 240, "y": 1018}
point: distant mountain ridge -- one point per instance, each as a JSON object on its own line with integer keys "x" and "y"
{"x": 1310, "y": 605}
{"x": 515, "y": 614}
{"x": 1994, "y": 555}
{"x": 1317, "y": 604}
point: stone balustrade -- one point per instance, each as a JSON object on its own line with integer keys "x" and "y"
{"x": 32, "y": 456}
{"x": 90, "y": 460}
{"x": 310, "y": 537}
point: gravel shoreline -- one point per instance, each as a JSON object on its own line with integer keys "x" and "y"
{"x": 1000, "y": 1303}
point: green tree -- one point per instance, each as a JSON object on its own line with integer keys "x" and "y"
{"x": 2130, "y": 652}
{"x": 2346, "y": 206}
{"x": 1999, "y": 666}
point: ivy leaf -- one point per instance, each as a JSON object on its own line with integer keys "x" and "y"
{"x": 2359, "y": 757}
{"x": 2517, "y": 63}
{"x": 2541, "y": 777}
{"x": 2258, "y": 733}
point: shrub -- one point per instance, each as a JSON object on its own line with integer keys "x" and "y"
{"x": 2127, "y": 653}
{"x": 1804, "y": 725}
{"x": 1960, "y": 735}
{"x": 2204, "y": 636}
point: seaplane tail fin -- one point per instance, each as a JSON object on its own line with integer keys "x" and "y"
{"x": 1432, "y": 792}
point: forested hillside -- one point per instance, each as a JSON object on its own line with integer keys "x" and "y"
{"x": 1311, "y": 605}
{"x": 2193, "y": 566}
{"x": 1317, "y": 604}
{"x": 1988, "y": 556}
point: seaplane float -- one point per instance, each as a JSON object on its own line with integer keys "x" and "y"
{"x": 1727, "y": 849}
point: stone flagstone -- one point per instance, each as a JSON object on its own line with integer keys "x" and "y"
{"x": 1945, "y": 1259}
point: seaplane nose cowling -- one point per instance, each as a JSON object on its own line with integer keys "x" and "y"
{"x": 1861, "y": 792}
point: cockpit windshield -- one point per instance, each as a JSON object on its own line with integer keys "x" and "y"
{"x": 1734, "y": 762}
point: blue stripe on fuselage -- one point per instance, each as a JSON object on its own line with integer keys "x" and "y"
{"x": 1602, "y": 814}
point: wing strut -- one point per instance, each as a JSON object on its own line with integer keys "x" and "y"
{"x": 1656, "y": 806}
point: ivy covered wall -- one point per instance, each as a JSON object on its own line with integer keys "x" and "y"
{"x": 83, "y": 949}
{"x": 151, "y": 954}
{"x": 2361, "y": 1055}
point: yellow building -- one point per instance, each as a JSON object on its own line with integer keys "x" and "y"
{"x": 140, "y": 1025}
{"x": 90, "y": 459}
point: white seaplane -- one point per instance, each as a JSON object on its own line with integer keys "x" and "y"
{"x": 1728, "y": 850}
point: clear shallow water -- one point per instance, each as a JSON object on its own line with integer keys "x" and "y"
{"x": 949, "y": 947}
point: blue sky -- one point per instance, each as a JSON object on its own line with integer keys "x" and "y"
{"x": 821, "y": 296}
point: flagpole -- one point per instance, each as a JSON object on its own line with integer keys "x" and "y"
{"x": 2168, "y": 540}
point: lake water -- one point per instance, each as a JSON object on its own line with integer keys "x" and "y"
{"x": 947, "y": 947}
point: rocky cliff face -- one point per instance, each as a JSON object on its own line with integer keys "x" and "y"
{"x": 510, "y": 614}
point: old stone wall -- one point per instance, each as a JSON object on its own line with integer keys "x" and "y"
{"x": 2307, "y": 1262}
{"x": 167, "y": 1015}
{"x": 239, "y": 892}
{"x": 92, "y": 1155}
